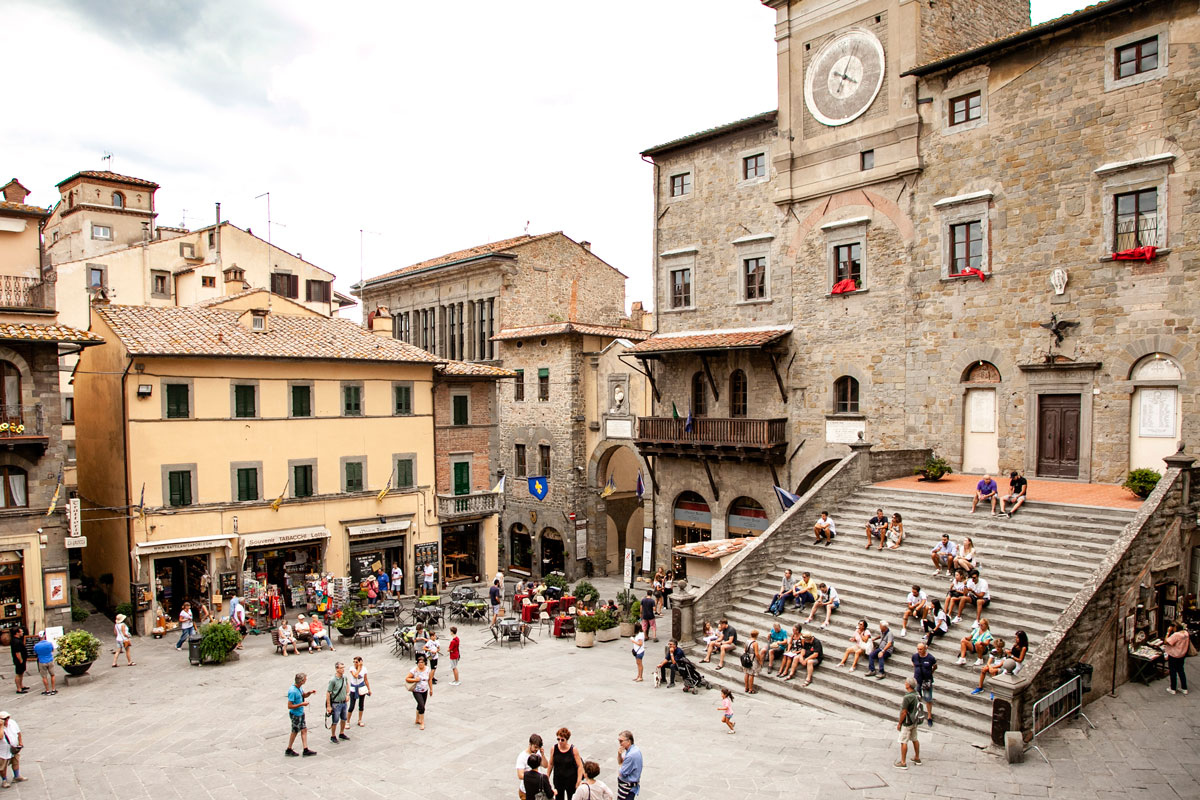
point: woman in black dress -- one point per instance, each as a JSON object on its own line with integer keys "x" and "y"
{"x": 19, "y": 655}
{"x": 566, "y": 765}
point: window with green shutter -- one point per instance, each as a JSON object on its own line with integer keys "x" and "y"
{"x": 301, "y": 401}
{"x": 243, "y": 400}
{"x": 354, "y": 476}
{"x": 179, "y": 487}
{"x": 404, "y": 473}
{"x": 247, "y": 483}
{"x": 403, "y": 402}
{"x": 460, "y": 407}
{"x": 302, "y": 480}
{"x": 352, "y": 400}
{"x": 177, "y": 401}
{"x": 543, "y": 384}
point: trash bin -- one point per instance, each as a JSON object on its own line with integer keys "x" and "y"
{"x": 1084, "y": 672}
{"x": 194, "y": 649}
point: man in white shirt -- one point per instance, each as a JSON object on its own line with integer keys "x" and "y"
{"x": 824, "y": 529}
{"x": 978, "y": 594}
{"x": 943, "y": 554}
{"x": 917, "y": 605}
{"x": 10, "y": 735}
{"x": 397, "y": 580}
{"x": 535, "y": 746}
{"x": 429, "y": 573}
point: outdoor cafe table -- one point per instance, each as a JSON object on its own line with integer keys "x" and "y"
{"x": 517, "y": 598}
{"x": 474, "y": 609}
{"x": 564, "y": 625}
{"x": 529, "y": 613}
{"x": 552, "y": 607}
{"x": 566, "y": 602}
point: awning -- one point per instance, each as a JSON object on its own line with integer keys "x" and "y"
{"x": 180, "y": 545}
{"x": 699, "y": 341}
{"x": 365, "y": 531}
{"x": 287, "y": 536}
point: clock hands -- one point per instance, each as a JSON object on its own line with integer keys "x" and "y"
{"x": 844, "y": 73}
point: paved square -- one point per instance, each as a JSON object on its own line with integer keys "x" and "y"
{"x": 165, "y": 729}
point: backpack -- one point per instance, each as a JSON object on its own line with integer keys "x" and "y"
{"x": 747, "y": 659}
{"x": 918, "y": 717}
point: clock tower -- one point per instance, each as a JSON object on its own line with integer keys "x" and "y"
{"x": 847, "y": 113}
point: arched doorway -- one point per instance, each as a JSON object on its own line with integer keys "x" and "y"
{"x": 1155, "y": 424}
{"x": 818, "y": 472}
{"x": 692, "y": 523}
{"x": 554, "y": 555}
{"x": 616, "y": 477}
{"x": 746, "y": 517}
{"x": 981, "y": 445}
{"x": 520, "y": 548}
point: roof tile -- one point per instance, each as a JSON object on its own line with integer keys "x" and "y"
{"x": 711, "y": 340}
{"x": 105, "y": 175}
{"x": 564, "y": 328}
{"x": 493, "y": 248}
{"x": 466, "y": 369}
{"x": 26, "y": 332}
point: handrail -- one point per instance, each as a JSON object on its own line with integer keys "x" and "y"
{"x": 714, "y": 430}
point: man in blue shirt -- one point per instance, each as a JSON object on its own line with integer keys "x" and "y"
{"x": 382, "y": 581}
{"x": 629, "y": 774}
{"x": 297, "y": 700}
{"x": 986, "y": 489}
{"x": 45, "y": 658}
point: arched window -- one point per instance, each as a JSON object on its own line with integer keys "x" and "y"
{"x": 10, "y": 389}
{"x": 14, "y": 495}
{"x": 1157, "y": 367}
{"x": 845, "y": 395}
{"x": 699, "y": 397}
{"x": 981, "y": 372}
{"x": 737, "y": 393}
{"x": 118, "y": 200}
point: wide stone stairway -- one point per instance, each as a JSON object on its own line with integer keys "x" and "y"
{"x": 1034, "y": 563}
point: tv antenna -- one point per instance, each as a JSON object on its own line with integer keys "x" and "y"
{"x": 107, "y": 157}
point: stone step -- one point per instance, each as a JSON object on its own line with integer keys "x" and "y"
{"x": 961, "y": 504}
{"x": 1079, "y": 527}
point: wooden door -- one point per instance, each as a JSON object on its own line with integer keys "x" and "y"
{"x": 1058, "y": 436}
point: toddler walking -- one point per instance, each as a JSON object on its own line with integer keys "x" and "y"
{"x": 726, "y": 707}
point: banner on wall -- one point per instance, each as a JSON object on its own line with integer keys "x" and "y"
{"x": 647, "y": 548}
{"x": 581, "y": 539}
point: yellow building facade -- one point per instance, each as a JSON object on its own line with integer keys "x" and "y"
{"x": 232, "y": 441}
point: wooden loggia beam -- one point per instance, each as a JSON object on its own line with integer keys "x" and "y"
{"x": 708, "y": 373}
{"x": 711, "y": 483}
{"x": 778, "y": 377}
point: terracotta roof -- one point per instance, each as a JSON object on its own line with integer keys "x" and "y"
{"x": 714, "y": 549}
{"x": 466, "y": 369}
{"x": 494, "y": 248}
{"x": 563, "y": 328}
{"x": 732, "y": 339}
{"x": 23, "y": 208}
{"x": 713, "y": 133}
{"x": 225, "y": 298}
{"x": 23, "y": 332}
{"x": 1013, "y": 39}
{"x": 203, "y": 331}
{"x": 105, "y": 175}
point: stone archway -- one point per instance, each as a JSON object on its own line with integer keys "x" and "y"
{"x": 815, "y": 474}
{"x": 617, "y": 515}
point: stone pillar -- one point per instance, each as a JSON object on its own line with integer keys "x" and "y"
{"x": 1184, "y": 463}
{"x": 1007, "y": 714}
{"x": 863, "y": 450}
{"x": 683, "y": 616}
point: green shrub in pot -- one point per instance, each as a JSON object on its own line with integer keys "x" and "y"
{"x": 76, "y": 648}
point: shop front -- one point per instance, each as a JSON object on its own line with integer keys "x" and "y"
{"x": 13, "y": 604}
{"x": 692, "y": 524}
{"x": 462, "y": 551}
{"x": 276, "y": 565}
{"x": 179, "y": 571}
{"x": 520, "y": 550}
{"x": 379, "y": 546}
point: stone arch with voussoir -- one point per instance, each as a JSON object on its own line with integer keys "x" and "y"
{"x": 598, "y": 508}
{"x": 1129, "y": 357}
{"x": 18, "y": 361}
{"x": 755, "y": 494}
{"x": 952, "y": 450}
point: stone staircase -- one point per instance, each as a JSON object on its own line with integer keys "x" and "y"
{"x": 1034, "y": 563}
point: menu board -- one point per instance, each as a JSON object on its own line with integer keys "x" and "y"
{"x": 363, "y": 565}
{"x": 228, "y": 583}
{"x": 426, "y": 554}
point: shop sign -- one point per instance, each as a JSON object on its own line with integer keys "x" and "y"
{"x": 425, "y": 553}
{"x": 365, "y": 564}
{"x": 355, "y": 531}
{"x": 179, "y": 545}
{"x": 580, "y": 539}
{"x": 74, "y": 524}
{"x": 75, "y": 542}
{"x": 228, "y": 583}
{"x": 629, "y": 567}
{"x": 275, "y": 538}
{"x": 647, "y": 547}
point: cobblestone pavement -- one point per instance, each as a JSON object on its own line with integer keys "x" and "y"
{"x": 164, "y": 729}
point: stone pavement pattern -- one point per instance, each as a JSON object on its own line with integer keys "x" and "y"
{"x": 165, "y": 729}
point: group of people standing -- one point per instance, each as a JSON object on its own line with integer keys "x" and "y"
{"x": 565, "y": 775}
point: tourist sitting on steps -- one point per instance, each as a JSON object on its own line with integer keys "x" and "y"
{"x": 936, "y": 623}
{"x": 885, "y": 645}
{"x": 986, "y": 489}
{"x": 805, "y": 591}
{"x": 966, "y": 559}
{"x": 673, "y": 655}
{"x": 810, "y": 657}
{"x": 824, "y": 529}
{"x": 860, "y": 643}
{"x": 979, "y": 641}
{"x": 978, "y": 593}
{"x": 791, "y": 651}
{"x": 877, "y": 527}
{"x": 785, "y": 590}
{"x": 728, "y": 641}
{"x": 776, "y": 645}
{"x": 827, "y": 598}
{"x": 956, "y": 595}
{"x": 895, "y": 532}
{"x": 943, "y": 554}
{"x": 1004, "y": 662}
{"x": 1018, "y": 492}
{"x": 916, "y": 607}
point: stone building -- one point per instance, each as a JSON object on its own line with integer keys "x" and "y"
{"x": 927, "y": 246}
{"x": 550, "y": 311}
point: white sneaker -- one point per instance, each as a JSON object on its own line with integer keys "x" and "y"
{"x": 455, "y": 683}
{"x": 978, "y": 662}
{"x": 1170, "y": 691}
{"x": 961, "y": 661}
{"x": 1183, "y": 691}
{"x": 903, "y": 633}
{"x": 936, "y": 573}
{"x": 974, "y": 624}
{"x": 956, "y": 620}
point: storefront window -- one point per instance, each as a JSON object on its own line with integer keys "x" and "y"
{"x": 520, "y": 547}
{"x": 460, "y": 548}
{"x": 178, "y": 579}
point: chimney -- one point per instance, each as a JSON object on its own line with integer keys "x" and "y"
{"x": 380, "y": 322}
{"x": 235, "y": 279}
{"x": 14, "y": 192}
{"x": 636, "y": 315}
{"x": 586, "y": 245}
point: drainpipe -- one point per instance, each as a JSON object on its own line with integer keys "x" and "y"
{"x": 128, "y": 499}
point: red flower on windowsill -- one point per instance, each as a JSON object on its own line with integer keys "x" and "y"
{"x": 969, "y": 272}
{"x": 1146, "y": 253}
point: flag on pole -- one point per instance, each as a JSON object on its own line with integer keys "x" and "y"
{"x": 641, "y": 485}
{"x": 539, "y": 486}
{"x": 609, "y": 487}
{"x": 386, "y": 488}
{"x": 690, "y": 423}
{"x": 142, "y": 503}
{"x": 278, "y": 501}
{"x": 57, "y": 492}
{"x": 674, "y": 411}
{"x": 786, "y": 498}
{"x": 499, "y": 487}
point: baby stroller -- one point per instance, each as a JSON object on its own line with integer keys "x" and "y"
{"x": 692, "y": 679}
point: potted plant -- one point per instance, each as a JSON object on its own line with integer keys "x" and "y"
{"x": 1142, "y": 482}
{"x": 628, "y": 605}
{"x": 607, "y": 626}
{"x": 585, "y": 630}
{"x": 935, "y": 468}
{"x": 347, "y": 621}
{"x": 586, "y": 594}
{"x": 217, "y": 640}
{"x": 76, "y": 651}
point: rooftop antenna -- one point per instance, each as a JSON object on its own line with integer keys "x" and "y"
{"x": 268, "y": 196}
{"x": 107, "y": 157}
{"x": 361, "y": 231}
{"x": 527, "y": 227}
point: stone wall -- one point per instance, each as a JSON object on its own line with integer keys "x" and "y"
{"x": 949, "y": 26}
{"x": 888, "y": 465}
{"x": 558, "y": 279}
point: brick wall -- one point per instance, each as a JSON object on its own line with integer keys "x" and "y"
{"x": 476, "y": 438}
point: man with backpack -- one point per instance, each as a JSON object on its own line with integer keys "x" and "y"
{"x": 924, "y": 665}
{"x": 910, "y": 722}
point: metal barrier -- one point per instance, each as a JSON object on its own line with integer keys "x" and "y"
{"x": 1065, "y": 701}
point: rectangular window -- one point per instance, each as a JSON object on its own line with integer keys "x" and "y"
{"x": 519, "y": 386}
{"x": 302, "y": 480}
{"x": 208, "y": 281}
{"x": 354, "y": 476}
{"x": 301, "y": 401}
{"x": 1136, "y": 58}
{"x": 351, "y": 400}
{"x": 966, "y": 108}
{"x": 160, "y": 284}
{"x": 103, "y": 232}
{"x": 460, "y": 407}
{"x": 177, "y": 401}
{"x": 247, "y": 484}
{"x": 68, "y": 409}
{"x": 681, "y": 184}
{"x": 285, "y": 284}
{"x": 847, "y": 263}
{"x": 681, "y": 288}
{"x": 966, "y": 246}
{"x": 866, "y": 160}
{"x": 212, "y": 239}
{"x": 754, "y": 166}
{"x": 317, "y": 291}
{"x": 519, "y": 468}
{"x": 1137, "y": 219}
{"x": 544, "y": 453}
{"x": 404, "y": 473}
{"x": 95, "y": 277}
{"x": 754, "y": 273}
{"x": 179, "y": 488}
{"x": 543, "y": 384}
{"x": 402, "y": 396}
{"x": 244, "y": 397}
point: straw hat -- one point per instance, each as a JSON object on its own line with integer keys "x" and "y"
{"x": 120, "y": 618}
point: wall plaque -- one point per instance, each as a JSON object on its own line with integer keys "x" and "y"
{"x": 982, "y": 410}
{"x": 618, "y": 429}
{"x": 844, "y": 431}
{"x": 1156, "y": 412}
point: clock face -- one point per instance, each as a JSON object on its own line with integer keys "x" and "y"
{"x": 844, "y": 77}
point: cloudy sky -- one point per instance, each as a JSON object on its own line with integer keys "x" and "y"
{"x": 429, "y": 126}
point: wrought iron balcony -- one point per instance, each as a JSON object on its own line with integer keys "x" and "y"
{"x": 18, "y": 292}
{"x": 22, "y": 425}
{"x": 476, "y": 504}
{"x": 733, "y": 438}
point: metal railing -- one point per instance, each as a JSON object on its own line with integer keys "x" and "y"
{"x": 21, "y": 421}
{"x": 18, "y": 292}
{"x": 1136, "y": 232}
{"x": 463, "y": 505}
{"x": 732, "y": 431}
{"x": 1065, "y": 701}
